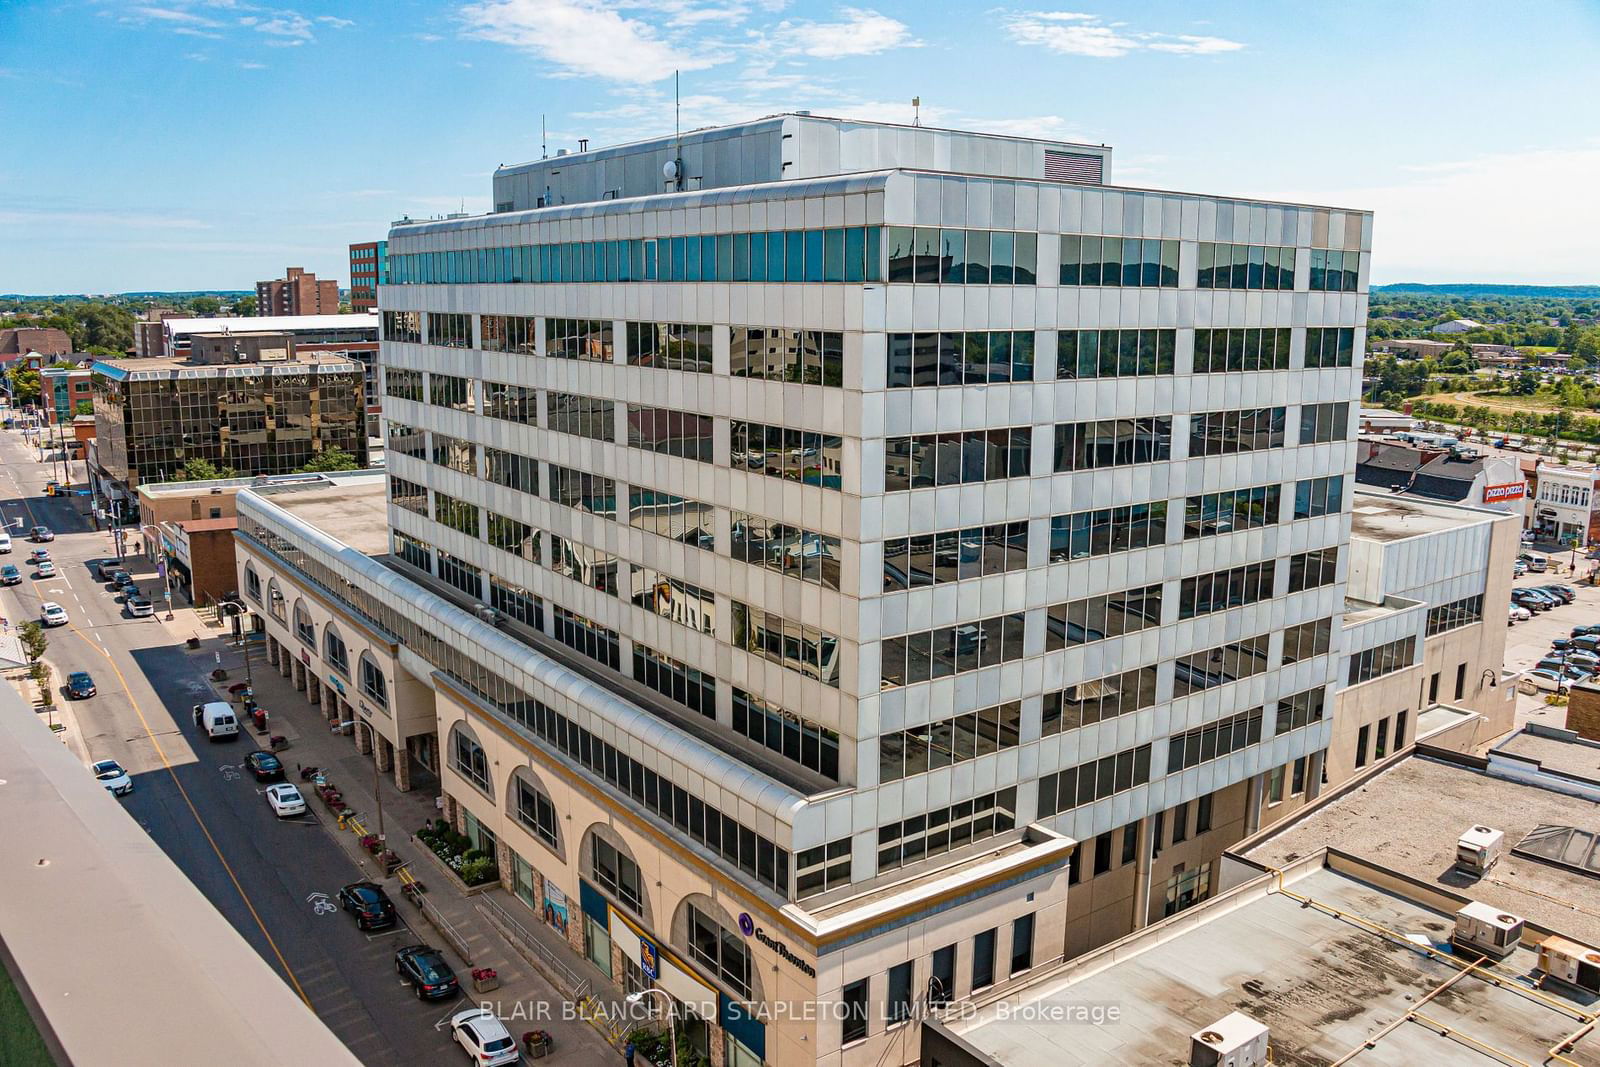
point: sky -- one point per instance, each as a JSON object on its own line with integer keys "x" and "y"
{"x": 207, "y": 144}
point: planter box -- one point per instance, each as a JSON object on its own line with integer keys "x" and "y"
{"x": 485, "y": 985}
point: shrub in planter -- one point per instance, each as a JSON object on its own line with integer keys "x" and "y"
{"x": 478, "y": 872}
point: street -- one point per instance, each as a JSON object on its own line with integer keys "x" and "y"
{"x": 192, "y": 796}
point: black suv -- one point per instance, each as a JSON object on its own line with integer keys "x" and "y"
{"x": 423, "y": 967}
{"x": 369, "y": 904}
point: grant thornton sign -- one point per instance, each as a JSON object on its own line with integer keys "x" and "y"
{"x": 748, "y": 927}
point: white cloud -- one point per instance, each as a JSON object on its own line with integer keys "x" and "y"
{"x": 249, "y": 65}
{"x": 860, "y": 33}
{"x": 105, "y": 219}
{"x": 1418, "y": 233}
{"x": 584, "y": 37}
{"x": 171, "y": 15}
{"x": 1077, "y": 34}
{"x": 285, "y": 24}
{"x": 335, "y": 22}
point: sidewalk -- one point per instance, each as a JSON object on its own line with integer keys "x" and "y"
{"x": 533, "y": 962}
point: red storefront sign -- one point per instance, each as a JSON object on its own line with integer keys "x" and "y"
{"x": 1493, "y": 493}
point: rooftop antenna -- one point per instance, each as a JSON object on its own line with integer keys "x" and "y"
{"x": 544, "y": 148}
{"x": 916, "y": 111}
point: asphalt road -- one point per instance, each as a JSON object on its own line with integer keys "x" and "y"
{"x": 192, "y": 795}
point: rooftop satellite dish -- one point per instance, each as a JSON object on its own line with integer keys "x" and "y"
{"x": 671, "y": 169}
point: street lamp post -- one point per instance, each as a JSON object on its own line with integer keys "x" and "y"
{"x": 372, "y": 736}
{"x": 238, "y": 610}
{"x": 161, "y": 564}
{"x": 672, "y": 1016}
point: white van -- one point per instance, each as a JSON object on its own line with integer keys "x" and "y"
{"x": 216, "y": 718}
{"x": 5, "y": 542}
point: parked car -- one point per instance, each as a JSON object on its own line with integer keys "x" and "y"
{"x": 41, "y": 534}
{"x": 484, "y": 1037}
{"x": 1587, "y": 642}
{"x": 1586, "y": 629}
{"x": 80, "y": 686}
{"x": 9, "y": 575}
{"x": 368, "y": 903}
{"x": 46, "y": 569}
{"x": 285, "y": 800}
{"x": 118, "y": 577}
{"x": 1532, "y": 600}
{"x": 5, "y": 542}
{"x": 109, "y": 773}
{"x": 1543, "y": 679}
{"x": 265, "y": 766}
{"x": 138, "y": 606}
{"x": 1536, "y": 564}
{"x": 127, "y": 588}
{"x": 1527, "y": 537}
{"x": 1520, "y": 614}
{"x": 1583, "y": 659}
{"x": 424, "y": 969}
{"x": 1571, "y": 670}
{"x": 1518, "y": 569}
{"x": 52, "y": 614}
{"x": 39, "y": 555}
{"x": 1564, "y": 593}
{"x": 1561, "y": 644}
{"x": 105, "y": 568}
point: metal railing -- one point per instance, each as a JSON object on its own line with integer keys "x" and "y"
{"x": 563, "y": 976}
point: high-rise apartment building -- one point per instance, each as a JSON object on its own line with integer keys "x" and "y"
{"x": 369, "y": 268}
{"x": 824, "y": 527}
{"x": 298, "y": 292}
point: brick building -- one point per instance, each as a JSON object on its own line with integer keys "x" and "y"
{"x": 299, "y": 292}
{"x": 369, "y": 268}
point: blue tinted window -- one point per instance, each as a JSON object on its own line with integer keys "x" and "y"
{"x": 855, "y": 254}
{"x": 775, "y": 257}
{"x": 679, "y": 254}
{"x": 741, "y": 257}
{"x": 650, "y": 260}
{"x": 794, "y": 256}
{"x": 874, "y": 253}
{"x": 833, "y": 255}
{"x": 813, "y": 256}
{"x": 758, "y": 257}
{"x": 691, "y": 263}
{"x": 724, "y": 269}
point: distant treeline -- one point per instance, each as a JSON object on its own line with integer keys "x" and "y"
{"x": 1476, "y": 289}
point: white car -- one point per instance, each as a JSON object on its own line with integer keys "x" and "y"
{"x": 1520, "y": 614}
{"x": 285, "y": 800}
{"x": 109, "y": 773}
{"x": 5, "y": 542}
{"x": 47, "y": 569}
{"x": 484, "y": 1037}
{"x": 52, "y": 614}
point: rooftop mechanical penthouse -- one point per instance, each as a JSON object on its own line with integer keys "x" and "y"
{"x": 805, "y": 532}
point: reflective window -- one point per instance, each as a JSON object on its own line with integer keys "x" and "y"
{"x": 806, "y": 649}
{"x": 783, "y": 549}
{"x": 674, "y": 517}
{"x": 584, "y": 416}
{"x": 944, "y": 829}
{"x": 673, "y": 598}
{"x": 1301, "y": 709}
{"x": 903, "y": 753}
{"x": 1120, "y": 261}
{"x": 810, "y": 357}
{"x": 1216, "y": 351}
{"x": 449, "y": 330}
{"x": 1330, "y": 346}
{"x": 797, "y": 739}
{"x": 511, "y": 470}
{"x": 1112, "y": 443}
{"x": 1211, "y": 667}
{"x": 1095, "y": 780}
{"x": 693, "y": 688}
{"x": 1107, "y": 530}
{"x": 962, "y": 257}
{"x": 955, "y": 458}
{"x": 1095, "y": 618}
{"x": 1224, "y": 589}
{"x": 779, "y": 452}
{"x": 1319, "y": 496}
{"x": 509, "y": 333}
{"x": 968, "y": 646}
{"x": 459, "y": 515}
{"x": 670, "y": 431}
{"x": 588, "y": 339}
{"x": 1231, "y": 510}
{"x": 1307, "y": 570}
{"x": 952, "y": 555}
{"x": 1214, "y": 741}
{"x": 1219, "y": 433}
{"x": 1097, "y": 699}
{"x": 1320, "y": 423}
{"x": 1115, "y": 353}
{"x": 593, "y": 567}
{"x": 1306, "y": 640}
{"x": 402, "y": 326}
{"x": 1226, "y": 266}
{"x": 973, "y": 358}
{"x": 671, "y": 346}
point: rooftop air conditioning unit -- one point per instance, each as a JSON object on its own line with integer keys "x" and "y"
{"x": 488, "y": 615}
{"x": 1569, "y": 962}
{"x": 1478, "y": 848}
{"x": 1487, "y": 930}
{"x": 1235, "y": 1040}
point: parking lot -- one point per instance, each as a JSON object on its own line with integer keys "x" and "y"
{"x": 1528, "y": 642}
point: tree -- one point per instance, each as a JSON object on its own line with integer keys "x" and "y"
{"x": 41, "y": 675}
{"x": 205, "y": 306}
{"x": 85, "y": 407}
{"x": 1577, "y": 363}
{"x": 1526, "y": 384}
{"x": 203, "y": 470}
{"x": 244, "y": 305}
{"x": 25, "y": 387}
{"x": 332, "y": 458}
{"x": 34, "y": 642}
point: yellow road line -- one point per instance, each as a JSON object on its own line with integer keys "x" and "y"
{"x": 165, "y": 762}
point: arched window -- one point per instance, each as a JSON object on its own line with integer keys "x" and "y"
{"x": 333, "y": 650}
{"x": 252, "y": 583}
{"x": 607, "y": 859}
{"x": 373, "y": 685}
{"x": 714, "y": 942}
{"x": 275, "y": 600}
{"x": 303, "y": 628}
{"x": 529, "y": 801}
{"x": 468, "y": 758}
